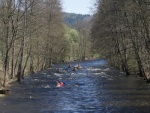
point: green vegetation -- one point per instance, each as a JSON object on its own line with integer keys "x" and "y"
{"x": 72, "y": 37}
{"x": 77, "y": 33}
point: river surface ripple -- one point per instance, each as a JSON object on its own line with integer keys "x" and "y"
{"x": 95, "y": 88}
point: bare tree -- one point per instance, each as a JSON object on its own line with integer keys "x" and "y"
{"x": 122, "y": 29}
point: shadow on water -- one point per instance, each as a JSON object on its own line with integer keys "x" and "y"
{"x": 95, "y": 88}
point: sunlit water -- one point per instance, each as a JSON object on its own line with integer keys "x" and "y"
{"x": 95, "y": 88}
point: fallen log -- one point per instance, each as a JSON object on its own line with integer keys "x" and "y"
{"x": 4, "y": 91}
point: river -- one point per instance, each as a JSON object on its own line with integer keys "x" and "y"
{"x": 95, "y": 88}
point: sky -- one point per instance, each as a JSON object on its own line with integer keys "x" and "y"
{"x": 77, "y": 6}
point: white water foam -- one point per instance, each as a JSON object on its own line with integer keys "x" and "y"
{"x": 57, "y": 74}
{"x": 107, "y": 69}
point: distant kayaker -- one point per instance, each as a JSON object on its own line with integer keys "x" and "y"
{"x": 75, "y": 69}
{"x": 78, "y": 66}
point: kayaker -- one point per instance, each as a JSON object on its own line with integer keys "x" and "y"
{"x": 60, "y": 84}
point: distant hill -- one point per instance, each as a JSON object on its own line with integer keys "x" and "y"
{"x": 71, "y": 19}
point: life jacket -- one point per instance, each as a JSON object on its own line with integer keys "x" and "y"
{"x": 61, "y": 84}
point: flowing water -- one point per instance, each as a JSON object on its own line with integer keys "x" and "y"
{"x": 95, "y": 88}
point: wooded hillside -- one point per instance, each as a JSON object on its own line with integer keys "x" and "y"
{"x": 72, "y": 19}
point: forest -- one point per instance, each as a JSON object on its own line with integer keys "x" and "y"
{"x": 72, "y": 19}
{"x": 121, "y": 33}
{"x": 35, "y": 34}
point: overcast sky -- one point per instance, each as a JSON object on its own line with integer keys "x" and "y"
{"x": 77, "y": 6}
